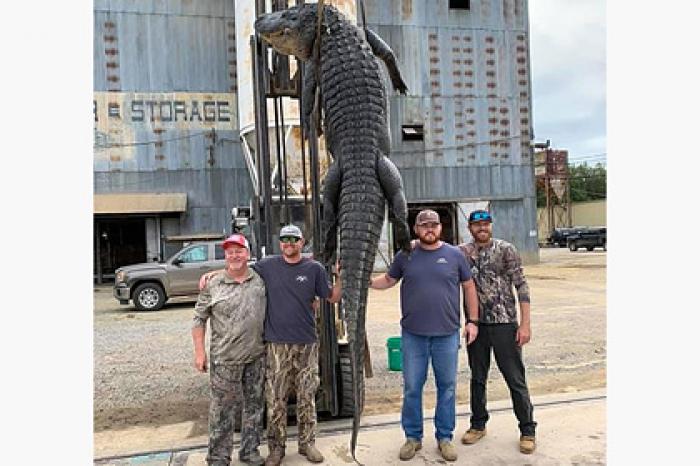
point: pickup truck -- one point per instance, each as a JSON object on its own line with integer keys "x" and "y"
{"x": 150, "y": 285}
{"x": 589, "y": 238}
{"x": 558, "y": 235}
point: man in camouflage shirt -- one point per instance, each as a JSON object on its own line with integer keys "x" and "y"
{"x": 497, "y": 270}
{"x": 233, "y": 301}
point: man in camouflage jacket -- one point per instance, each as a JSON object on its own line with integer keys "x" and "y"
{"x": 233, "y": 301}
{"x": 497, "y": 270}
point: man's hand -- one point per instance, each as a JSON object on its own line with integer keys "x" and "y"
{"x": 200, "y": 361}
{"x": 470, "y": 332}
{"x": 522, "y": 336}
{"x": 205, "y": 278}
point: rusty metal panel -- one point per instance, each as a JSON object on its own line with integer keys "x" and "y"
{"x": 472, "y": 78}
{"x": 165, "y": 105}
{"x": 468, "y": 75}
{"x": 170, "y": 50}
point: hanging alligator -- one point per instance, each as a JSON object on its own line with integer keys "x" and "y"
{"x": 361, "y": 178}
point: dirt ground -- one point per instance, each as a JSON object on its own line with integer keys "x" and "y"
{"x": 567, "y": 353}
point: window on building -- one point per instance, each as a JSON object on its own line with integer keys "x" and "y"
{"x": 459, "y": 4}
{"x": 219, "y": 253}
{"x": 412, "y": 132}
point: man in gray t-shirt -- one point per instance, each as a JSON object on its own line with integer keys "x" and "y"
{"x": 431, "y": 275}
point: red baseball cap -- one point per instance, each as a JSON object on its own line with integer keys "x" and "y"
{"x": 238, "y": 239}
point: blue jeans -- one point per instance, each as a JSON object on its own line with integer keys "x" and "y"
{"x": 416, "y": 351}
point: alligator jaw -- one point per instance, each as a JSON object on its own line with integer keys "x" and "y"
{"x": 286, "y": 31}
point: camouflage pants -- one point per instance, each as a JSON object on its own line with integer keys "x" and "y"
{"x": 288, "y": 366}
{"x": 235, "y": 388}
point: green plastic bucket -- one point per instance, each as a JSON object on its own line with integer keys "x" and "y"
{"x": 393, "y": 346}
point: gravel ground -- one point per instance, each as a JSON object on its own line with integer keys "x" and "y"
{"x": 143, "y": 374}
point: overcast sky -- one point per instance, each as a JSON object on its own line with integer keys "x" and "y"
{"x": 567, "y": 52}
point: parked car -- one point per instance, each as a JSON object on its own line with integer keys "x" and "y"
{"x": 558, "y": 236}
{"x": 590, "y": 238}
{"x": 150, "y": 285}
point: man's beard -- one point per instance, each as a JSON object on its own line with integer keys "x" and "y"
{"x": 429, "y": 241}
{"x": 482, "y": 236}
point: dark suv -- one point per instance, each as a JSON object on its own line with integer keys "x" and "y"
{"x": 589, "y": 238}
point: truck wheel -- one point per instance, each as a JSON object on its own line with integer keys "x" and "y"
{"x": 573, "y": 246}
{"x": 589, "y": 248}
{"x": 149, "y": 297}
{"x": 605, "y": 246}
{"x": 346, "y": 403}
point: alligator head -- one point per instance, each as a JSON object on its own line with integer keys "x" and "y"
{"x": 291, "y": 31}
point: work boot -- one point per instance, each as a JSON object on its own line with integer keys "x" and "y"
{"x": 275, "y": 457}
{"x": 311, "y": 453}
{"x": 472, "y": 436}
{"x": 527, "y": 444}
{"x": 253, "y": 458}
{"x": 409, "y": 449}
{"x": 447, "y": 450}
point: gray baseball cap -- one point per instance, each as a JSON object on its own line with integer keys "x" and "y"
{"x": 291, "y": 230}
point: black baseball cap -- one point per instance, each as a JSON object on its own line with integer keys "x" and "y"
{"x": 480, "y": 216}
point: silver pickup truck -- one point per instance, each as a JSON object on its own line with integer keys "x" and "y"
{"x": 150, "y": 285}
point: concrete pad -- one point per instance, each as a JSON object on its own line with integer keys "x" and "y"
{"x": 571, "y": 430}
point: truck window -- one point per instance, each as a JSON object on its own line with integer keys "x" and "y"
{"x": 195, "y": 254}
{"x": 219, "y": 253}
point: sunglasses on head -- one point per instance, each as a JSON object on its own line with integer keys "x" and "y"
{"x": 481, "y": 216}
{"x": 289, "y": 239}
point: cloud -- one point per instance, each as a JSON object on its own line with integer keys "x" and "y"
{"x": 567, "y": 42}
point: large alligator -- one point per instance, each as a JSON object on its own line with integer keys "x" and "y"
{"x": 361, "y": 178}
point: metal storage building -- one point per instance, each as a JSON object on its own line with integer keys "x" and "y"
{"x": 168, "y": 159}
{"x": 165, "y": 105}
{"x": 461, "y": 138}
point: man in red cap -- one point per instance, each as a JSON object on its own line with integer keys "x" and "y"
{"x": 293, "y": 283}
{"x": 233, "y": 301}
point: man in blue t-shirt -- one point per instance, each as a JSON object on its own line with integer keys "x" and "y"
{"x": 293, "y": 283}
{"x": 430, "y": 320}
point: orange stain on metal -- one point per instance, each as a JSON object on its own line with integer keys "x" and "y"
{"x": 406, "y": 9}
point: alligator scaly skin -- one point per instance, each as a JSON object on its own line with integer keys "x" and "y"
{"x": 354, "y": 103}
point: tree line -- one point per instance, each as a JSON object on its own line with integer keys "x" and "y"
{"x": 587, "y": 183}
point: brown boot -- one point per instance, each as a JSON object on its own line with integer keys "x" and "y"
{"x": 311, "y": 453}
{"x": 409, "y": 449}
{"x": 527, "y": 444}
{"x": 447, "y": 450}
{"x": 472, "y": 436}
{"x": 275, "y": 457}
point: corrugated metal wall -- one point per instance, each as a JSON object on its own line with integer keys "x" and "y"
{"x": 166, "y": 110}
{"x": 166, "y": 105}
{"x": 469, "y": 86}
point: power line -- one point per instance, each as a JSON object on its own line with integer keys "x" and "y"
{"x": 602, "y": 154}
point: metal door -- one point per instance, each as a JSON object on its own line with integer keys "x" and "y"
{"x": 185, "y": 269}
